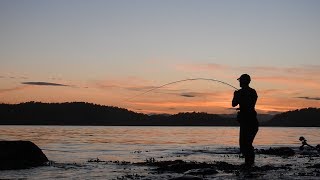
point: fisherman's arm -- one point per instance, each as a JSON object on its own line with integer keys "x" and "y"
{"x": 235, "y": 100}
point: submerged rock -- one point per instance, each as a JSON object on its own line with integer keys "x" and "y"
{"x": 204, "y": 171}
{"x": 317, "y": 166}
{"x": 224, "y": 166}
{"x": 186, "y": 177}
{"x": 97, "y": 160}
{"x": 177, "y": 166}
{"x": 20, "y": 155}
{"x": 282, "y": 151}
{"x": 203, "y": 168}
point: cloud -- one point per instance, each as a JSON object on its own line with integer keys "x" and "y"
{"x": 23, "y": 77}
{"x": 139, "y": 88}
{"x": 279, "y": 92}
{"x": 12, "y": 89}
{"x": 200, "y": 94}
{"x": 43, "y": 84}
{"x": 134, "y": 84}
{"x": 310, "y": 98}
{"x": 286, "y": 80}
{"x": 129, "y": 83}
{"x": 292, "y": 70}
{"x": 13, "y": 77}
{"x": 187, "y": 95}
{"x": 201, "y": 67}
{"x": 126, "y": 87}
{"x": 303, "y": 71}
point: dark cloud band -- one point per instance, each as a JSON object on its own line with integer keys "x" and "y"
{"x": 43, "y": 84}
{"x": 188, "y": 95}
{"x": 310, "y": 98}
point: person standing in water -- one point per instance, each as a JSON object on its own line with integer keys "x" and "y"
{"x": 246, "y": 98}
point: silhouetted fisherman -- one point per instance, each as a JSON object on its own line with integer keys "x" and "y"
{"x": 246, "y": 98}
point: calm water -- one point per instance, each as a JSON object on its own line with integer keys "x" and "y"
{"x": 70, "y": 147}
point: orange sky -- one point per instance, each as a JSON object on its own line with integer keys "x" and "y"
{"x": 105, "y": 52}
{"x": 280, "y": 91}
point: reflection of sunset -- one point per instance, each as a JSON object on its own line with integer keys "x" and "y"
{"x": 96, "y": 138}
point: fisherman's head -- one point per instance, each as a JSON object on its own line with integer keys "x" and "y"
{"x": 244, "y": 80}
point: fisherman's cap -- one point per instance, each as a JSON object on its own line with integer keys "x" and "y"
{"x": 244, "y": 77}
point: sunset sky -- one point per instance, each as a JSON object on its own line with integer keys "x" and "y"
{"x": 105, "y": 52}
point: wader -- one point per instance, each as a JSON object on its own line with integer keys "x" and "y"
{"x": 249, "y": 127}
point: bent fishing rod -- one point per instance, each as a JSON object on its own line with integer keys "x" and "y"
{"x": 183, "y": 80}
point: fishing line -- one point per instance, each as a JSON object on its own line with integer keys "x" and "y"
{"x": 174, "y": 82}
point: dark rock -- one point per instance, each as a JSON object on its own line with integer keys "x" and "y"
{"x": 186, "y": 177}
{"x": 204, "y": 171}
{"x": 20, "y": 155}
{"x": 270, "y": 168}
{"x": 282, "y": 151}
{"x": 95, "y": 160}
{"x": 177, "y": 166}
{"x": 224, "y": 166}
{"x": 182, "y": 166}
{"x": 317, "y": 166}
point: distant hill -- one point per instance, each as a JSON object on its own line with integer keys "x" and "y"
{"x": 75, "y": 113}
{"x": 81, "y": 113}
{"x": 308, "y": 117}
{"x": 261, "y": 117}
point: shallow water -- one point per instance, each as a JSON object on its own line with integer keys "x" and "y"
{"x": 70, "y": 147}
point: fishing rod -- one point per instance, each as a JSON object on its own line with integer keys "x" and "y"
{"x": 183, "y": 80}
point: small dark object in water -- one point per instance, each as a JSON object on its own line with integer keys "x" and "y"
{"x": 282, "y": 151}
{"x": 20, "y": 155}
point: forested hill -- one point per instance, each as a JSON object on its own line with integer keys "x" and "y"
{"x": 308, "y": 117}
{"x": 75, "y": 113}
{"x": 80, "y": 113}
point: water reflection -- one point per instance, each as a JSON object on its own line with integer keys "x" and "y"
{"x": 153, "y": 135}
{"x": 83, "y": 142}
{"x": 70, "y": 147}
